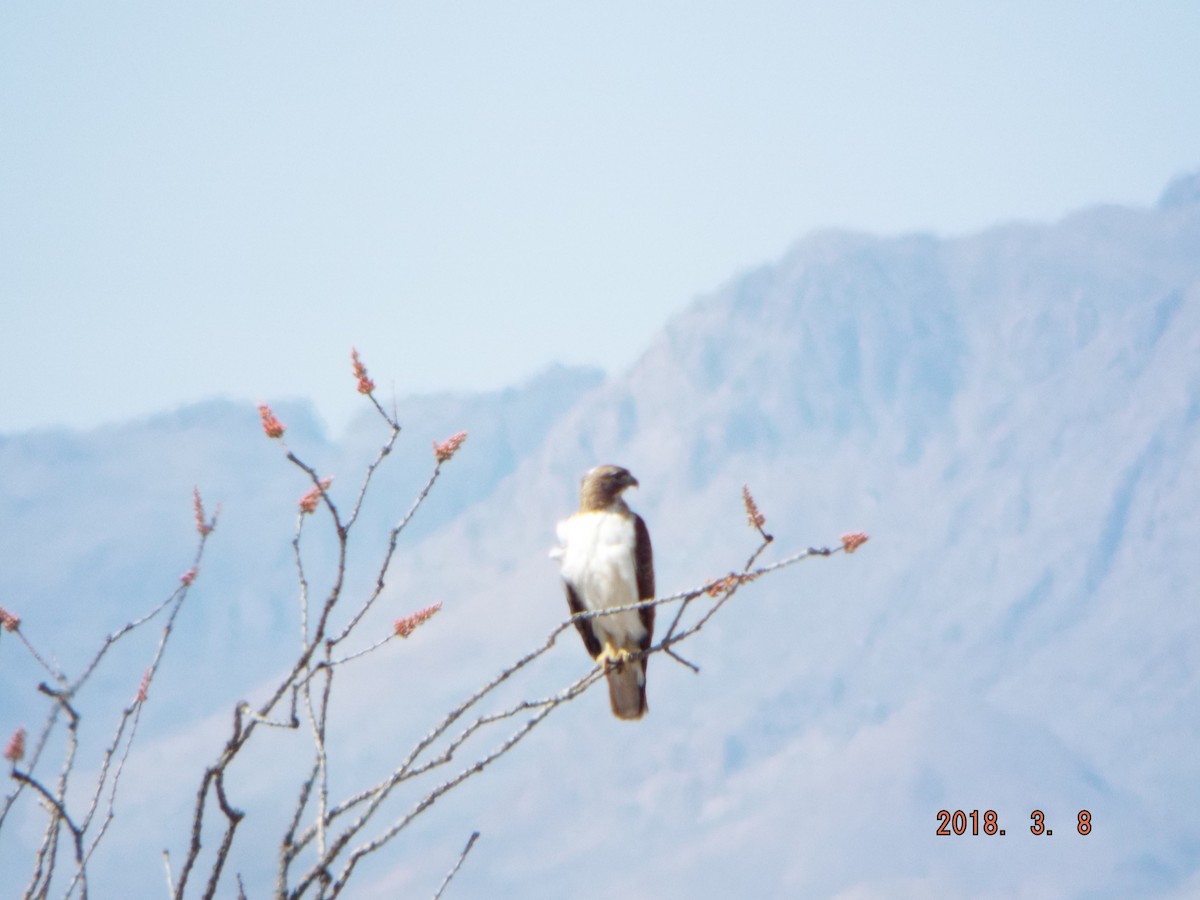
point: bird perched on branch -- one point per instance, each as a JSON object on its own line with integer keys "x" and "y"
{"x": 607, "y": 562}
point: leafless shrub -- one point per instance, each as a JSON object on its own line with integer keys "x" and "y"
{"x": 326, "y": 837}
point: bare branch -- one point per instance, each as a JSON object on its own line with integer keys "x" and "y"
{"x": 432, "y": 796}
{"x": 393, "y": 538}
{"x": 384, "y": 451}
{"x": 233, "y": 818}
{"x": 458, "y": 865}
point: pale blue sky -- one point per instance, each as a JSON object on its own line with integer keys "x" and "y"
{"x": 221, "y": 199}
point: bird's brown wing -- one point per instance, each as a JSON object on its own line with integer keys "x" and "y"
{"x": 584, "y": 625}
{"x": 645, "y": 576}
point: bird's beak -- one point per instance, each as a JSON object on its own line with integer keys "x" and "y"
{"x": 632, "y": 482}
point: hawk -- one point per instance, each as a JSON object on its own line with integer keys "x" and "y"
{"x": 607, "y": 562}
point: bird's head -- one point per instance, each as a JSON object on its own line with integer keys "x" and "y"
{"x": 602, "y": 486}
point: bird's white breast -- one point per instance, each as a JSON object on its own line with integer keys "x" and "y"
{"x": 598, "y": 561}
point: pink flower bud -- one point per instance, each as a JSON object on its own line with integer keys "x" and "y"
{"x": 271, "y": 425}
{"x": 365, "y": 384}
{"x": 308, "y": 503}
{"x": 854, "y": 540}
{"x": 203, "y": 525}
{"x": 445, "y": 451}
{"x": 15, "y": 751}
{"x": 406, "y": 626}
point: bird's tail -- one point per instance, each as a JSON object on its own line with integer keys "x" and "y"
{"x": 627, "y": 689}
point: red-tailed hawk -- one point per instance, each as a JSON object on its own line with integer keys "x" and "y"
{"x": 607, "y": 562}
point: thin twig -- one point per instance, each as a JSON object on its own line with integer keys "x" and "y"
{"x": 393, "y": 538}
{"x": 287, "y": 847}
{"x": 384, "y": 451}
{"x": 167, "y": 865}
{"x": 301, "y": 579}
{"x": 233, "y": 817}
{"x": 458, "y": 865}
{"x": 54, "y": 671}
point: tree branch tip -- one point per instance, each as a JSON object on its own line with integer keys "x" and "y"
{"x": 679, "y": 659}
{"x": 170, "y": 878}
{"x": 454, "y": 871}
{"x": 58, "y": 694}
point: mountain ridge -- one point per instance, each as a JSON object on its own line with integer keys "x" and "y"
{"x": 1015, "y": 418}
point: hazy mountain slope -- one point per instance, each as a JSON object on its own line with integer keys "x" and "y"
{"x": 1013, "y": 416}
